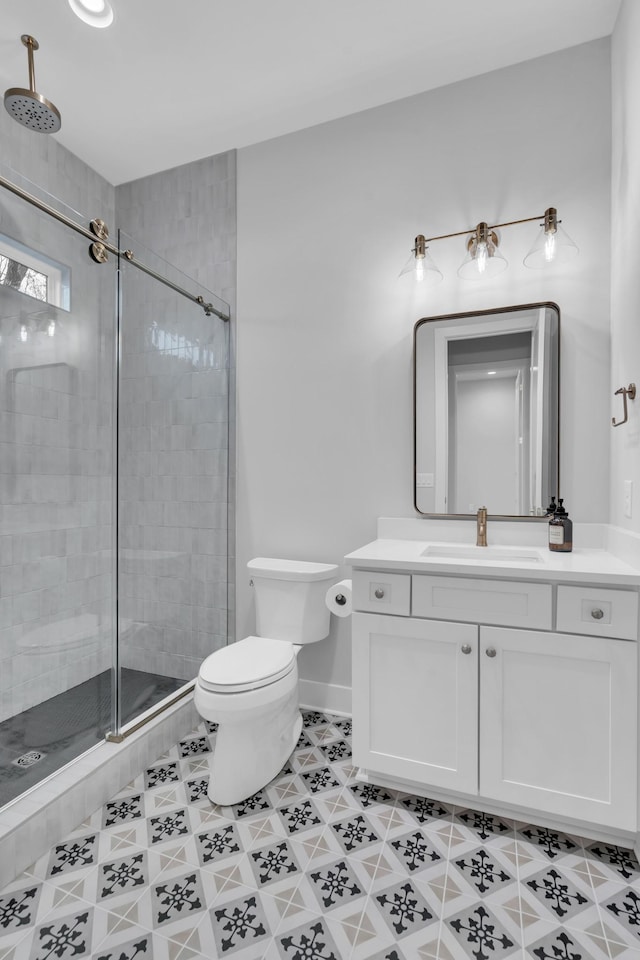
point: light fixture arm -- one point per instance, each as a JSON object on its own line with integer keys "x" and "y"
{"x": 509, "y": 223}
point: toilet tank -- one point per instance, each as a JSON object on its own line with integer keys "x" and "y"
{"x": 290, "y": 597}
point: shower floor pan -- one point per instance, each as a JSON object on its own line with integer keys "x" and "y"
{"x": 35, "y": 743}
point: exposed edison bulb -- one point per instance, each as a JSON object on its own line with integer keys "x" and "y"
{"x": 51, "y": 328}
{"x": 483, "y": 259}
{"x": 550, "y": 246}
{"x": 24, "y": 333}
{"x": 482, "y": 254}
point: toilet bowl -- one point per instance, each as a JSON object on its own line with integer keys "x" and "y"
{"x": 250, "y": 688}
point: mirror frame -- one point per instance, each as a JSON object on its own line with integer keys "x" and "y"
{"x": 461, "y": 316}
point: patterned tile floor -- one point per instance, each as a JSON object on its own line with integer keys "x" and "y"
{"x": 317, "y": 866}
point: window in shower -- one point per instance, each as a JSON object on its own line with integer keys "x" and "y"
{"x": 33, "y": 273}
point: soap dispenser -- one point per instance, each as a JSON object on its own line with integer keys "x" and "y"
{"x": 561, "y": 530}
{"x": 551, "y": 509}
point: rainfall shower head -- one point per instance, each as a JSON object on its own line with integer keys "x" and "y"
{"x": 28, "y": 107}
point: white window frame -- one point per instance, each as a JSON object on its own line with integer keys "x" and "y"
{"x": 58, "y": 275}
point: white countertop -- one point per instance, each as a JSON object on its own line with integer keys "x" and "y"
{"x": 586, "y": 564}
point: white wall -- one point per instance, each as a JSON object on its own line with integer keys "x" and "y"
{"x": 625, "y": 290}
{"x": 326, "y": 219}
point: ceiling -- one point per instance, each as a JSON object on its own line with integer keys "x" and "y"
{"x": 175, "y": 80}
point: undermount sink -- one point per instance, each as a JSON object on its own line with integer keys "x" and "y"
{"x": 464, "y": 551}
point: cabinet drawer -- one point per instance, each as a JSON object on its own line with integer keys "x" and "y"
{"x": 379, "y": 592}
{"x": 501, "y": 602}
{"x": 602, "y": 613}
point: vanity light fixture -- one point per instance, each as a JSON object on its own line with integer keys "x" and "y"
{"x": 96, "y": 13}
{"x": 421, "y": 264}
{"x": 552, "y": 244}
{"x": 484, "y": 258}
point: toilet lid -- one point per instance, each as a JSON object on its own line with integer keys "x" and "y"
{"x": 247, "y": 664}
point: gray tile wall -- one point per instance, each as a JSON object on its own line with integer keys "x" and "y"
{"x": 55, "y": 450}
{"x": 178, "y": 425}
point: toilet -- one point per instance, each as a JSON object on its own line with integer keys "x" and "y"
{"x": 250, "y": 688}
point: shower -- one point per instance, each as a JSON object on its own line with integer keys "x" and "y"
{"x": 114, "y": 481}
{"x": 28, "y": 107}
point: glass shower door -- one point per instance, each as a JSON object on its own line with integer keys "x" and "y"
{"x": 172, "y": 487}
{"x": 56, "y": 396}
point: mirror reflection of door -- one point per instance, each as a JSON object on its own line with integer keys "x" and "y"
{"x": 488, "y": 433}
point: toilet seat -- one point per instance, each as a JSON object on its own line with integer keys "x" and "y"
{"x": 247, "y": 665}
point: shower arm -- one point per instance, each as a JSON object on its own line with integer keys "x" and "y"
{"x": 31, "y": 45}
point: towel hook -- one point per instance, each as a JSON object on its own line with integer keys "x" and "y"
{"x": 630, "y": 392}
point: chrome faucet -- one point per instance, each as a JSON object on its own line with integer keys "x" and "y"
{"x": 481, "y": 525}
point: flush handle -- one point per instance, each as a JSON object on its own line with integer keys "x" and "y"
{"x": 466, "y": 648}
{"x": 597, "y": 613}
{"x": 491, "y": 651}
{"x": 378, "y": 593}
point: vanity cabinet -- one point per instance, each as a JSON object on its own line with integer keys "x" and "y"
{"x": 495, "y": 708}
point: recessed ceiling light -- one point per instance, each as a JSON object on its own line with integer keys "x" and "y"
{"x": 97, "y": 13}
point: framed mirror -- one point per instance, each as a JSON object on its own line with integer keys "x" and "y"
{"x": 486, "y": 412}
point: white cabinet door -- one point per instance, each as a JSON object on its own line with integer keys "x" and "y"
{"x": 415, "y": 699}
{"x": 558, "y": 729}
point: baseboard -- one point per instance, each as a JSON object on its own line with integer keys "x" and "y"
{"x": 325, "y": 696}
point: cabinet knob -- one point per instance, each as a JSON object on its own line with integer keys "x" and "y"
{"x": 378, "y": 593}
{"x": 491, "y": 651}
{"x": 597, "y": 613}
{"x": 466, "y": 648}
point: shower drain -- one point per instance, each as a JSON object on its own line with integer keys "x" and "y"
{"x": 28, "y": 759}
